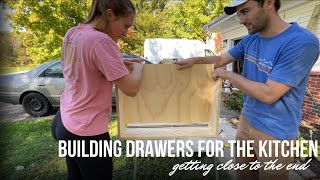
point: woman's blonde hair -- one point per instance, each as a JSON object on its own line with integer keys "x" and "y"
{"x": 97, "y": 13}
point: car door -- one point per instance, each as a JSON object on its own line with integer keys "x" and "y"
{"x": 51, "y": 83}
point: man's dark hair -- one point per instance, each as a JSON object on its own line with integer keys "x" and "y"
{"x": 277, "y": 4}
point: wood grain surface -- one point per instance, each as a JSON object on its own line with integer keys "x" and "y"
{"x": 171, "y": 100}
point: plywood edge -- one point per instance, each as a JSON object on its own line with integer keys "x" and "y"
{"x": 168, "y": 133}
{"x": 119, "y": 124}
{"x": 162, "y": 125}
{"x": 216, "y": 100}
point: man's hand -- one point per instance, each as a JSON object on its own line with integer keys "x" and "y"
{"x": 220, "y": 72}
{"x": 186, "y": 63}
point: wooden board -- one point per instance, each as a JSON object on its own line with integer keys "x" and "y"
{"x": 171, "y": 104}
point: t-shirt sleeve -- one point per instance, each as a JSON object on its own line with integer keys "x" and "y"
{"x": 295, "y": 63}
{"x": 108, "y": 60}
{"x": 237, "y": 51}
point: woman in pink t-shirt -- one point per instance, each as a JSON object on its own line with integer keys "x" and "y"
{"x": 91, "y": 63}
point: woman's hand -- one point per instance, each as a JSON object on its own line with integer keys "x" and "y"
{"x": 132, "y": 63}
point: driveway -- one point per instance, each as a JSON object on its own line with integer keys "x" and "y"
{"x": 9, "y": 112}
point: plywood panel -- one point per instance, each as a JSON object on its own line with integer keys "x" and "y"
{"x": 171, "y": 104}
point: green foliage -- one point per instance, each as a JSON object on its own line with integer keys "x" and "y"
{"x": 234, "y": 101}
{"x": 12, "y": 52}
{"x": 170, "y": 19}
{"x": 148, "y": 24}
{"x": 142, "y": 5}
{"x": 187, "y": 17}
{"x": 306, "y": 149}
{"x": 43, "y": 24}
{"x": 7, "y": 52}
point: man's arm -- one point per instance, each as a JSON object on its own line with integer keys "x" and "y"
{"x": 268, "y": 92}
{"x": 218, "y": 61}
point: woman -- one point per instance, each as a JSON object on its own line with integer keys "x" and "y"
{"x": 91, "y": 62}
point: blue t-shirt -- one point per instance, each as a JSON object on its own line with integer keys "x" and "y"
{"x": 286, "y": 58}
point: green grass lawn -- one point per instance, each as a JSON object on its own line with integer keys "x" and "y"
{"x": 28, "y": 151}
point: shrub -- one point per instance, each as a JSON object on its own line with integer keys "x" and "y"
{"x": 233, "y": 101}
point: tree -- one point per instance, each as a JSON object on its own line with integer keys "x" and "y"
{"x": 142, "y": 5}
{"x": 147, "y": 25}
{"x": 7, "y": 52}
{"x": 187, "y": 17}
{"x": 44, "y": 23}
{"x": 150, "y": 22}
{"x": 218, "y": 7}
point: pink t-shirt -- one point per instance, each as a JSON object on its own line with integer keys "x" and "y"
{"x": 91, "y": 60}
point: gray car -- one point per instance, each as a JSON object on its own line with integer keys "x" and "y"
{"x": 39, "y": 89}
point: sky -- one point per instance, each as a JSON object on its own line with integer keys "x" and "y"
{"x": 4, "y": 25}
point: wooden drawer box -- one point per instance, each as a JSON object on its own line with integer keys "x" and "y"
{"x": 171, "y": 104}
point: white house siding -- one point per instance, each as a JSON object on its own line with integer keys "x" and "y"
{"x": 315, "y": 28}
{"x": 301, "y": 14}
{"x": 316, "y": 25}
{"x": 236, "y": 33}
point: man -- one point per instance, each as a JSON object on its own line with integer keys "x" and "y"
{"x": 278, "y": 58}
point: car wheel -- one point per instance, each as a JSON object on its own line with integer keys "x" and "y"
{"x": 36, "y": 105}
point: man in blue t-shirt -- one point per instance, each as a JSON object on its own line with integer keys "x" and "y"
{"x": 278, "y": 58}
